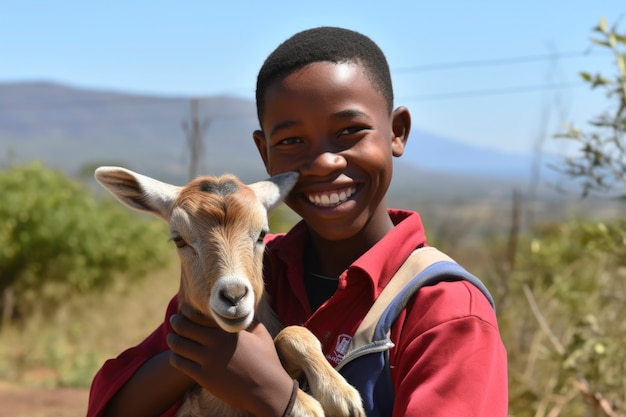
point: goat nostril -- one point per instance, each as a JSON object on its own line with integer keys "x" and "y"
{"x": 233, "y": 297}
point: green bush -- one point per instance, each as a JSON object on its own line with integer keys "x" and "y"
{"x": 56, "y": 239}
{"x": 564, "y": 323}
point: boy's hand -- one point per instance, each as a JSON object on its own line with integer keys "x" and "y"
{"x": 242, "y": 368}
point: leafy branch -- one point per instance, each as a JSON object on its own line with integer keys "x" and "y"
{"x": 601, "y": 159}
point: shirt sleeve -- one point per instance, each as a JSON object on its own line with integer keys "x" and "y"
{"x": 450, "y": 359}
{"x": 116, "y": 372}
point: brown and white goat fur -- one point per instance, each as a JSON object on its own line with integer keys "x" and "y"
{"x": 218, "y": 224}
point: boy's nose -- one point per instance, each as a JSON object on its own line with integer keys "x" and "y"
{"x": 323, "y": 164}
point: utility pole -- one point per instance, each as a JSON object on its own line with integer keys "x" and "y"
{"x": 194, "y": 130}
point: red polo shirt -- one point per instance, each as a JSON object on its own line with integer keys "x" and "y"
{"x": 358, "y": 286}
{"x": 448, "y": 359}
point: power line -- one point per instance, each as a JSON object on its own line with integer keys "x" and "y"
{"x": 492, "y": 62}
{"x": 491, "y": 92}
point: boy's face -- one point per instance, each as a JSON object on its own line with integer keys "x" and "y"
{"x": 328, "y": 122}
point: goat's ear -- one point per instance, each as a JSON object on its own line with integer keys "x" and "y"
{"x": 272, "y": 191}
{"x": 138, "y": 191}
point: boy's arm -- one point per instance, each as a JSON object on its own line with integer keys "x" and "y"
{"x": 140, "y": 381}
{"x": 153, "y": 390}
{"x": 456, "y": 367}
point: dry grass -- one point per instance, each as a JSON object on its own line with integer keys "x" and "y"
{"x": 67, "y": 348}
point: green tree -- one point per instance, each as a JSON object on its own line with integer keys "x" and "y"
{"x": 56, "y": 239}
{"x": 600, "y": 163}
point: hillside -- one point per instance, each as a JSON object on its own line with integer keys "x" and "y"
{"x": 70, "y": 128}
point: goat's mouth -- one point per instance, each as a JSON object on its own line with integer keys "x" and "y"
{"x": 232, "y": 324}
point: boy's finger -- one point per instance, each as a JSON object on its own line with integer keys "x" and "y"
{"x": 185, "y": 348}
{"x": 196, "y": 316}
{"x": 184, "y": 365}
{"x": 205, "y": 342}
{"x": 188, "y": 328}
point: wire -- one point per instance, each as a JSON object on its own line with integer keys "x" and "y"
{"x": 491, "y": 92}
{"x": 491, "y": 62}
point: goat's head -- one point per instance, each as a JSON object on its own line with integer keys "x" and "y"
{"x": 217, "y": 224}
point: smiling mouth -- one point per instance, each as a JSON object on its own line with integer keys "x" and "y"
{"x": 331, "y": 198}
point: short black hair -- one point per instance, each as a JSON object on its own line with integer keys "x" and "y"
{"x": 330, "y": 44}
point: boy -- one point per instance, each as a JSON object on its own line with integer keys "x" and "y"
{"x": 325, "y": 107}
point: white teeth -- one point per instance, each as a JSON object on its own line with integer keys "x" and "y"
{"x": 331, "y": 199}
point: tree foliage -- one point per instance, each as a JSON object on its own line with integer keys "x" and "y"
{"x": 600, "y": 163}
{"x": 565, "y": 327}
{"x": 57, "y": 239}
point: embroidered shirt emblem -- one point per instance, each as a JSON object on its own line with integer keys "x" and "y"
{"x": 341, "y": 348}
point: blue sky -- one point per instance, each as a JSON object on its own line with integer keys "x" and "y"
{"x": 200, "y": 48}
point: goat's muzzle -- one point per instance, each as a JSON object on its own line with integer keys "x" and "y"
{"x": 232, "y": 303}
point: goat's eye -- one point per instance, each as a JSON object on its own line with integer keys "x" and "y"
{"x": 178, "y": 241}
{"x": 261, "y": 236}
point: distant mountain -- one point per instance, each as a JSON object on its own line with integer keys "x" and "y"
{"x": 435, "y": 152}
{"x": 69, "y": 128}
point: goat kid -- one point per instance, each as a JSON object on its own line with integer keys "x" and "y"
{"x": 218, "y": 225}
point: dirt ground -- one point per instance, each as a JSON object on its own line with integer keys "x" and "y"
{"x": 18, "y": 401}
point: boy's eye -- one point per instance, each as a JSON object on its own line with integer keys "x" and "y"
{"x": 351, "y": 130}
{"x": 290, "y": 141}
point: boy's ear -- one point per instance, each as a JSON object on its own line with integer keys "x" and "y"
{"x": 401, "y": 126}
{"x": 261, "y": 145}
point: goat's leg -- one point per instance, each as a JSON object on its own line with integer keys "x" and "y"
{"x": 301, "y": 353}
{"x": 306, "y": 406}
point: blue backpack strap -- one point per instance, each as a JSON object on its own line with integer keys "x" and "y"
{"x": 366, "y": 365}
{"x": 441, "y": 271}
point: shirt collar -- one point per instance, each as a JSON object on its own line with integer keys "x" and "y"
{"x": 382, "y": 261}
{"x": 379, "y": 263}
